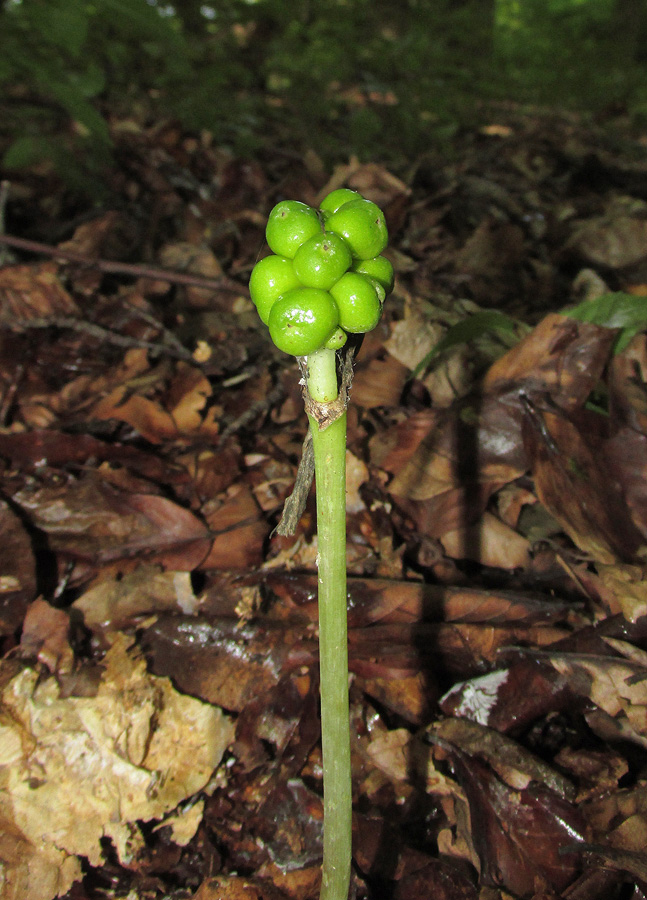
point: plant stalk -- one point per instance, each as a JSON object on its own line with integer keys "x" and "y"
{"x": 329, "y": 447}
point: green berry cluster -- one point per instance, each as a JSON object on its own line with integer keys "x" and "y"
{"x": 327, "y": 277}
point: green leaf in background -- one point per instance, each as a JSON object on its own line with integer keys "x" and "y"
{"x": 28, "y": 151}
{"x": 63, "y": 24}
{"x": 25, "y": 151}
{"x": 617, "y": 310}
{"x": 82, "y": 112}
{"x": 90, "y": 82}
{"x": 466, "y": 330}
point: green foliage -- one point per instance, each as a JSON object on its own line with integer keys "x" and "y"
{"x": 617, "y": 310}
{"x": 60, "y": 59}
{"x": 574, "y": 52}
{"x": 344, "y": 76}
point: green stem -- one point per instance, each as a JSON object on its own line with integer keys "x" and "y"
{"x": 329, "y": 447}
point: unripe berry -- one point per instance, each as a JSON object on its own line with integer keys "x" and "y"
{"x": 337, "y": 340}
{"x": 379, "y": 268}
{"x": 361, "y": 223}
{"x": 302, "y": 320}
{"x": 270, "y": 279}
{"x": 290, "y": 224}
{"x": 332, "y": 201}
{"x": 322, "y": 260}
{"x": 358, "y": 303}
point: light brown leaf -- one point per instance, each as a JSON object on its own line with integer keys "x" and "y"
{"x": 78, "y": 769}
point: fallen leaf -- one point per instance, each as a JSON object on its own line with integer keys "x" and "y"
{"x": 224, "y": 661}
{"x": 618, "y": 687}
{"x": 614, "y": 242}
{"x": 86, "y": 518}
{"x": 30, "y": 292}
{"x": 46, "y": 637}
{"x": 560, "y": 357}
{"x": 79, "y": 769}
{"x": 519, "y": 835}
{"x": 514, "y": 765}
{"x": 577, "y": 488}
{"x": 116, "y": 602}
{"x": 18, "y": 582}
{"x": 489, "y": 542}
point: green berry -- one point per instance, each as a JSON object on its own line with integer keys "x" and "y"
{"x": 379, "y": 268}
{"x": 358, "y": 303}
{"x": 290, "y": 224}
{"x": 331, "y": 202}
{"x": 361, "y": 223}
{"x": 337, "y": 340}
{"x": 270, "y": 279}
{"x": 322, "y": 260}
{"x": 302, "y": 320}
{"x": 379, "y": 288}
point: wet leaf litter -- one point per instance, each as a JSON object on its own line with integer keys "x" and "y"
{"x": 160, "y": 723}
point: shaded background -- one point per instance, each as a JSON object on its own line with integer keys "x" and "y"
{"x": 381, "y": 80}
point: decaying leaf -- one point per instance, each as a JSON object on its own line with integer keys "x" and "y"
{"x": 77, "y": 770}
{"x": 617, "y": 686}
{"x": 576, "y": 488}
{"x": 519, "y": 835}
{"x": 496, "y": 597}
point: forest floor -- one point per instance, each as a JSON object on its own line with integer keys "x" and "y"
{"x": 160, "y": 733}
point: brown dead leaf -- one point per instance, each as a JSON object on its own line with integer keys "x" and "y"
{"x": 410, "y": 696}
{"x": 393, "y": 448}
{"x": 614, "y": 242}
{"x": 285, "y": 717}
{"x": 475, "y": 440}
{"x": 188, "y": 396}
{"x": 30, "y": 292}
{"x": 576, "y": 487}
{"x": 509, "y": 699}
{"x": 620, "y": 817}
{"x": 395, "y": 601}
{"x": 412, "y": 338}
{"x": 116, "y": 602}
{"x": 406, "y": 758}
{"x": 561, "y": 357}
{"x": 627, "y": 384}
{"x": 148, "y": 417}
{"x": 489, "y": 542}
{"x": 596, "y": 771}
{"x": 225, "y": 661}
{"x": 239, "y": 530}
{"x": 457, "y": 649}
{"x": 380, "y": 383}
{"x": 519, "y": 835}
{"x": 89, "y": 238}
{"x": 617, "y": 686}
{"x": 626, "y": 454}
{"x": 624, "y": 590}
{"x": 196, "y": 260}
{"x": 45, "y": 637}
{"x": 17, "y": 571}
{"x": 272, "y": 480}
{"x": 514, "y": 765}
{"x": 235, "y": 887}
{"x": 41, "y": 405}
{"x": 30, "y": 451}
{"x": 86, "y": 518}
{"x": 439, "y": 879}
{"x": 472, "y": 451}
{"x": 490, "y": 258}
{"x": 297, "y": 884}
